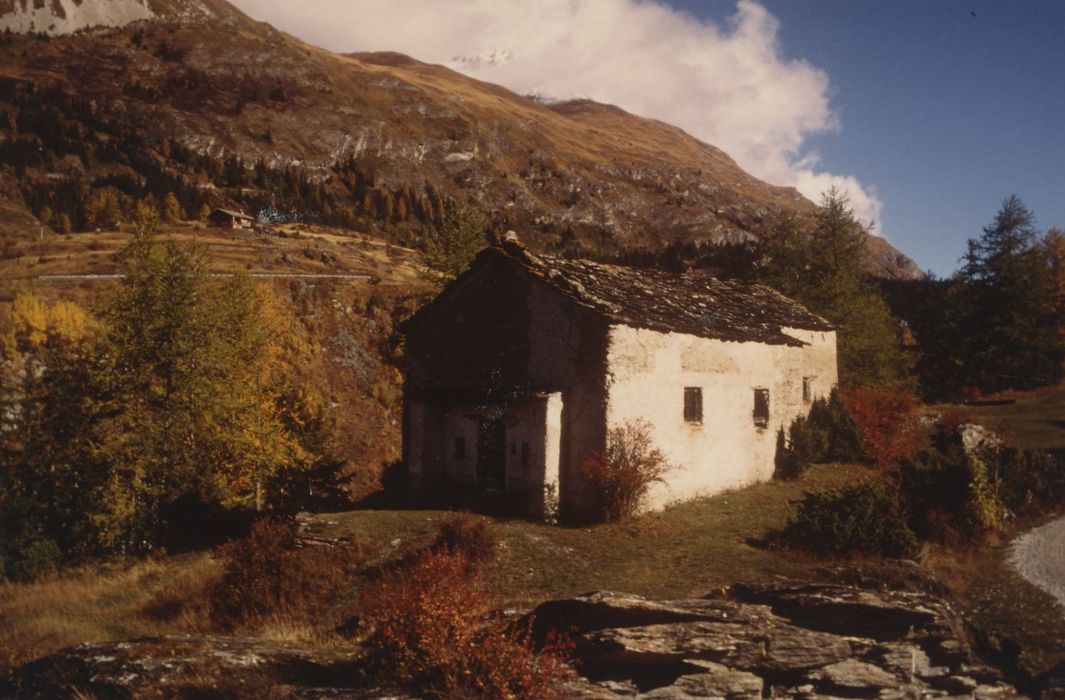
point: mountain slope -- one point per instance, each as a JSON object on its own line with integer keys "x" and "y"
{"x": 203, "y": 102}
{"x": 58, "y": 17}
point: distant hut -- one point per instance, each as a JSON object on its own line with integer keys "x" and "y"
{"x": 227, "y": 218}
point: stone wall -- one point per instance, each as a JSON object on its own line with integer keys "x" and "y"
{"x": 551, "y": 380}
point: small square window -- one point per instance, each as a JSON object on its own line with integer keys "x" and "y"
{"x": 807, "y": 389}
{"x": 693, "y": 404}
{"x": 761, "y": 407}
{"x": 460, "y": 448}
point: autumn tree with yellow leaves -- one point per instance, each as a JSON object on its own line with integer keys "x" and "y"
{"x": 175, "y": 399}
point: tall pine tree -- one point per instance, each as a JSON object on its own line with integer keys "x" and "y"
{"x": 823, "y": 268}
{"x": 1010, "y": 332}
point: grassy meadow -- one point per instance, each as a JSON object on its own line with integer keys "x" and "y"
{"x": 691, "y": 549}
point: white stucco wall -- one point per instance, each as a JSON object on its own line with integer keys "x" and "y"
{"x": 648, "y": 372}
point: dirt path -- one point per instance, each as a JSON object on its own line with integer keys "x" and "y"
{"x": 1039, "y": 556}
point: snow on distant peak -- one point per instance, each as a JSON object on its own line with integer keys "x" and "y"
{"x": 67, "y": 16}
{"x": 491, "y": 57}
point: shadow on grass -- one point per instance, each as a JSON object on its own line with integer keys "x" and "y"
{"x": 442, "y": 495}
{"x": 507, "y": 506}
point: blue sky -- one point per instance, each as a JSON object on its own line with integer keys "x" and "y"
{"x": 927, "y": 112}
{"x": 945, "y": 107}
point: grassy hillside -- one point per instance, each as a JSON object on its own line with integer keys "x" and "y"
{"x": 692, "y": 549}
{"x": 288, "y": 249}
{"x": 1032, "y": 419}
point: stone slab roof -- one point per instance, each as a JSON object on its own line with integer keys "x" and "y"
{"x": 691, "y": 303}
{"x": 234, "y": 214}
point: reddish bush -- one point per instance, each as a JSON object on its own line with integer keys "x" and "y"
{"x": 887, "y": 422}
{"x": 504, "y": 664}
{"x": 267, "y": 575}
{"x": 430, "y": 628}
{"x": 425, "y": 614}
{"x": 622, "y": 475}
{"x": 469, "y": 535}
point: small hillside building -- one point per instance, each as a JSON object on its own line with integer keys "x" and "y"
{"x": 516, "y": 372}
{"x": 227, "y": 218}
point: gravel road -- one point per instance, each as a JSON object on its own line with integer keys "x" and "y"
{"x": 1039, "y": 556}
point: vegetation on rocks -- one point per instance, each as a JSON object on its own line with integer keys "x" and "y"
{"x": 957, "y": 493}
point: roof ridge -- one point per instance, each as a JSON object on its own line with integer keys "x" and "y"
{"x": 695, "y": 304}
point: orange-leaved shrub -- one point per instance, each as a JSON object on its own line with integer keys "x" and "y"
{"x": 622, "y": 475}
{"x": 887, "y": 422}
{"x": 266, "y": 575}
{"x": 469, "y": 535}
{"x": 430, "y": 629}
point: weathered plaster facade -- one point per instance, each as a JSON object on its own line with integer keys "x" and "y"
{"x": 517, "y": 371}
{"x": 648, "y": 372}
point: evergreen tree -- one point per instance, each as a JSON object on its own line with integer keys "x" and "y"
{"x": 1009, "y": 331}
{"x": 463, "y": 235}
{"x": 111, "y": 213}
{"x": 1052, "y": 249}
{"x": 172, "y": 211}
{"x": 92, "y": 209}
{"x": 823, "y": 268}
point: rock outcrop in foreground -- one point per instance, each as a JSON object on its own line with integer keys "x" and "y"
{"x": 772, "y": 640}
{"x": 779, "y": 640}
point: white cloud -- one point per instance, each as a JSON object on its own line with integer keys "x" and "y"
{"x": 726, "y": 84}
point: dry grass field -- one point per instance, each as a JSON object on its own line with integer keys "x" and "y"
{"x": 284, "y": 249}
{"x": 99, "y": 602}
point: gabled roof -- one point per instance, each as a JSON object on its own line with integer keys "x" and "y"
{"x": 690, "y": 303}
{"x": 234, "y": 214}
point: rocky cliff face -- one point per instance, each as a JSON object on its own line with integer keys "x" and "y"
{"x": 199, "y": 100}
{"x": 59, "y": 17}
